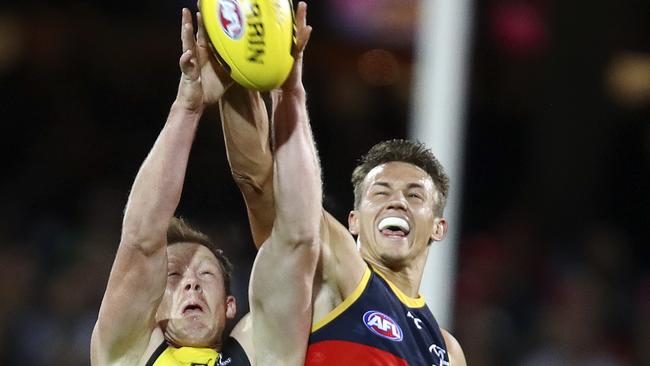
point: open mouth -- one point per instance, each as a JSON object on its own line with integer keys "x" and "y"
{"x": 394, "y": 227}
{"x": 192, "y": 309}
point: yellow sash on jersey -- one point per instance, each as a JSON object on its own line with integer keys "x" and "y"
{"x": 187, "y": 356}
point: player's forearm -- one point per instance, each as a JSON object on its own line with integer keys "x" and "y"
{"x": 297, "y": 178}
{"x": 157, "y": 188}
{"x": 246, "y": 133}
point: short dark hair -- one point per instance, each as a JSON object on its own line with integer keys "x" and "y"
{"x": 180, "y": 231}
{"x": 411, "y": 152}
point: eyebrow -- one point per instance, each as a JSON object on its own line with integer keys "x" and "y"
{"x": 383, "y": 184}
{"x": 209, "y": 261}
{"x": 408, "y": 186}
{"x": 415, "y": 185}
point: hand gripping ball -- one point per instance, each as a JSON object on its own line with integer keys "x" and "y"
{"x": 252, "y": 39}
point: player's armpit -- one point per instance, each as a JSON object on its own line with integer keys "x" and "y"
{"x": 456, "y": 355}
{"x": 242, "y": 333}
{"x": 342, "y": 261}
{"x": 126, "y": 315}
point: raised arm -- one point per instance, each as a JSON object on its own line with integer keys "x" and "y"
{"x": 245, "y": 126}
{"x": 246, "y": 129}
{"x": 283, "y": 273}
{"x": 138, "y": 277}
{"x": 297, "y": 187}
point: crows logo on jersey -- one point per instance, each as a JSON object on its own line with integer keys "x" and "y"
{"x": 382, "y": 325}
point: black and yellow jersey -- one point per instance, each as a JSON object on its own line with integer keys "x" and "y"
{"x": 232, "y": 355}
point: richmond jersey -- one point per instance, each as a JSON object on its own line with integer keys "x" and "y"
{"x": 192, "y": 356}
{"x": 377, "y": 325}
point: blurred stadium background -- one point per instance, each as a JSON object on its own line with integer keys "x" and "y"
{"x": 552, "y": 264}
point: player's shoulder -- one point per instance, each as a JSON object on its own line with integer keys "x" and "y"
{"x": 136, "y": 351}
{"x": 455, "y": 351}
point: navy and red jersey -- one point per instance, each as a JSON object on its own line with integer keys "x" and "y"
{"x": 377, "y": 325}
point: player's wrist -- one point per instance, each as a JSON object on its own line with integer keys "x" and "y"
{"x": 191, "y": 108}
{"x": 189, "y": 97}
{"x": 296, "y": 90}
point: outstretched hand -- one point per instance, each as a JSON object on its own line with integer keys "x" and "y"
{"x": 303, "y": 32}
{"x": 214, "y": 78}
{"x": 203, "y": 81}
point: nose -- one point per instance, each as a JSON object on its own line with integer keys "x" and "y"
{"x": 397, "y": 201}
{"x": 191, "y": 283}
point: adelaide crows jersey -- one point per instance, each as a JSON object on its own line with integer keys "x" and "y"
{"x": 377, "y": 325}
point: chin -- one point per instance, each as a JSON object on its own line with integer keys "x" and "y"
{"x": 195, "y": 334}
{"x": 393, "y": 251}
{"x": 199, "y": 343}
{"x": 199, "y": 340}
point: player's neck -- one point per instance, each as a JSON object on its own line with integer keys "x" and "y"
{"x": 175, "y": 344}
{"x": 407, "y": 278}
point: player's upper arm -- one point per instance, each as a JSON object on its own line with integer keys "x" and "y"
{"x": 243, "y": 333}
{"x": 343, "y": 266}
{"x": 127, "y": 313}
{"x": 280, "y": 297}
{"x": 456, "y": 355}
{"x": 245, "y": 125}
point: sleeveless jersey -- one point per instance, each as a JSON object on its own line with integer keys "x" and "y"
{"x": 377, "y": 325}
{"x": 192, "y": 356}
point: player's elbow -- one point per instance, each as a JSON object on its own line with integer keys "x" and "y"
{"x": 146, "y": 241}
{"x": 244, "y": 181}
{"x": 299, "y": 236}
{"x": 304, "y": 238}
{"x": 251, "y": 180}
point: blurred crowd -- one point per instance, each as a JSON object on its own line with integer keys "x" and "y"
{"x": 553, "y": 255}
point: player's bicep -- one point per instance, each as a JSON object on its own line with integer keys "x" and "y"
{"x": 127, "y": 313}
{"x": 283, "y": 273}
{"x": 281, "y": 298}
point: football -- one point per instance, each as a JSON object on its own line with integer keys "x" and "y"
{"x": 252, "y": 39}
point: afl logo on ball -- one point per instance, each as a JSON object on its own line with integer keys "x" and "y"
{"x": 382, "y": 325}
{"x": 230, "y": 17}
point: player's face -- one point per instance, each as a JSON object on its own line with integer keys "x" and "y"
{"x": 195, "y": 307}
{"x": 396, "y": 217}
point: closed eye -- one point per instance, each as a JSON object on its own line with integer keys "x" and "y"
{"x": 172, "y": 274}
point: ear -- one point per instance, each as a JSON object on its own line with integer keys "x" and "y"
{"x": 231, "y": 307}
{"x": 353, "y": 222}
{"x": 439, "y": 229}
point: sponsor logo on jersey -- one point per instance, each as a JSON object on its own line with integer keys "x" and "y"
{"x": 231, "y": 19}
{"x": 382, "y": 325}
{"x": 221, "y": 361}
